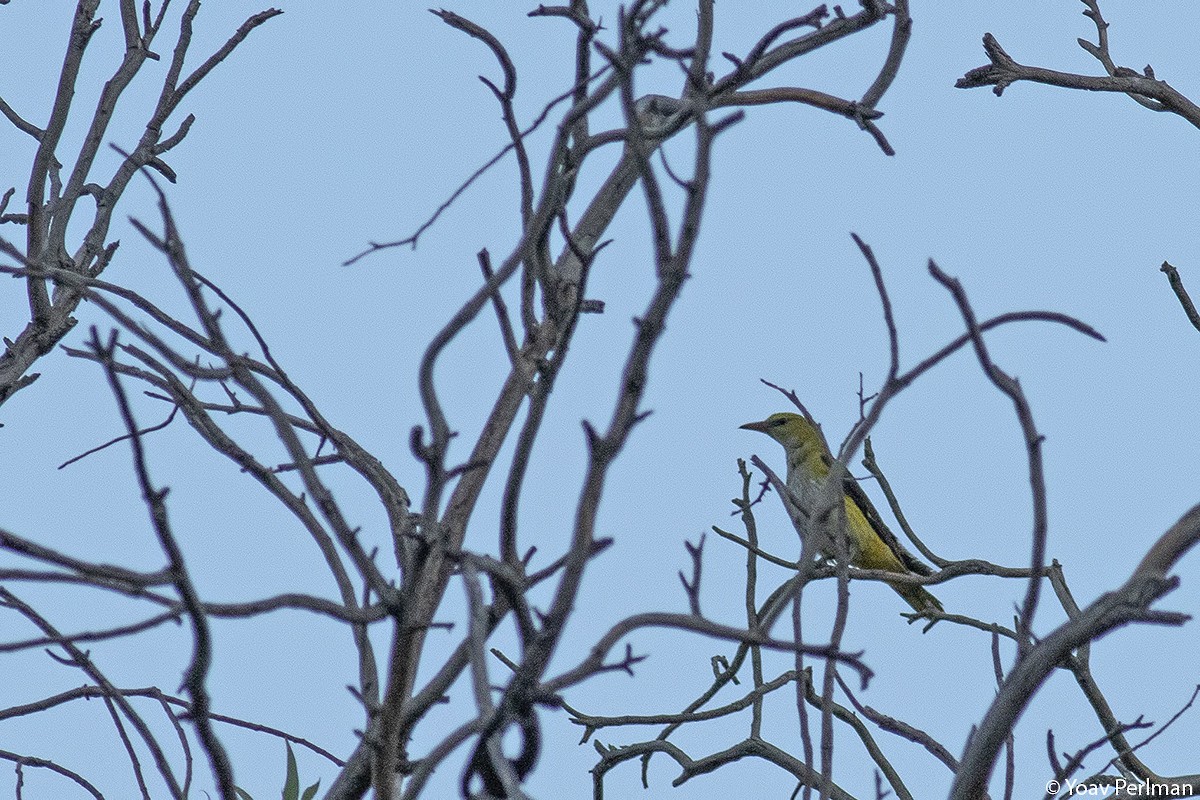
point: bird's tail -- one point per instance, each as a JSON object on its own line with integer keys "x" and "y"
{"x": 917, "y": 597}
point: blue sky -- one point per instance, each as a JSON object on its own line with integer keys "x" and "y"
{"x": 328, "y": 129}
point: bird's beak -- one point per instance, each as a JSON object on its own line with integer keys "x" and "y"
{"x": 761, "y": 427}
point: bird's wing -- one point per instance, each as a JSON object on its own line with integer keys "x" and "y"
{"x": 855, "y": 493}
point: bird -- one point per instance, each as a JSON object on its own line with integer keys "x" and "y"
{"x": 871, "y": 544}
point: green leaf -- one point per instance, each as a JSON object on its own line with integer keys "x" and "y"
{"x": 291, "y": 786}
{"x": 310, "y": 792}
{"x": 242, "y": 793}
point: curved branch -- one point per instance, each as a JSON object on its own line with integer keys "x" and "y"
{"x": 689, "y": 622}
{"x": 1129, "y": 603}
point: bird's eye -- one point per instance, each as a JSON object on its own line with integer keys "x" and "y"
{"x": 777, "y": 422}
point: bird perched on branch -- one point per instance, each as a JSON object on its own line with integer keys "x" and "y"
{"x": 871, "y": 544}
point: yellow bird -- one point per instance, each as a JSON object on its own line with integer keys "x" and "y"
{"x": 871, "y": 544}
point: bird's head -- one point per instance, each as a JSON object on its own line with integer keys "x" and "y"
{"x": 792, "y": 431}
